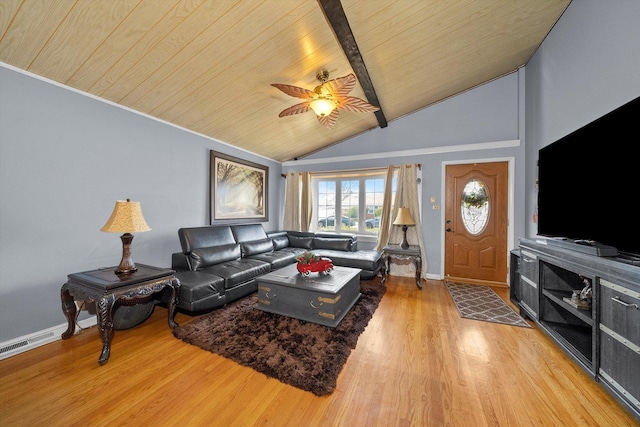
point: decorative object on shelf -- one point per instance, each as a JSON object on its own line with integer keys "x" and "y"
{"x": 326, "y": 99}
{"x": 126, "y": 218}
{"x": 309, "y": 262}
{"x": 581, "y": 298}
{"x": 404, "y": 219}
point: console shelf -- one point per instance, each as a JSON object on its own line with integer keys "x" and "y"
{"x": 558, "y": 298}
{"x": 604, "y": 337}
{"x": 577, "y": 338}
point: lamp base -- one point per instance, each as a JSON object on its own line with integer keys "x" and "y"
{"x": 127, "y": 266}
{"x": 405, "y": 243}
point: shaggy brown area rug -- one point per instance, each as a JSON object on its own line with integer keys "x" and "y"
{"x": 302, "y": 354}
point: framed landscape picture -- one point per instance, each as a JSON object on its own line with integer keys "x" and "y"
{"x": 238, "y": 190}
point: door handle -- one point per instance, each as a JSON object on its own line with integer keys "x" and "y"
{"x": 448, "y": 230}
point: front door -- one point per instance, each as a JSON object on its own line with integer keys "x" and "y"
{"x": 476, "y": 223}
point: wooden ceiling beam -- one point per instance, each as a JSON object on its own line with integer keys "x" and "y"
{"x": 334, "y": 13}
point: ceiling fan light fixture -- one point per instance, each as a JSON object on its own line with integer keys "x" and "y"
{"x": 322, "y": 106}
{"x": 325, "y": 100}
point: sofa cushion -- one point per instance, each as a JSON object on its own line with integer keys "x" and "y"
{"x": 277, "y": 259}
{"x": 256, "y": 247}
{"x": 336, "y": 244}
{"x": 239, "y": 271}
{"x": 205, "y": 257}
{"x": 204, "y": 237}
{"x": 248, "y": 232}
{"x": 195, "y": 285}
{"x": 305, "y": 242}
{"x": 280, "y": 242}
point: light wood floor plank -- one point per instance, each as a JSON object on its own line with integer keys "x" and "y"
{"x": 416, "y": 364}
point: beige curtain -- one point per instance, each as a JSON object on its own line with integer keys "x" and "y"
{"x": 297, "y": 202}
{"x": 407, "y": 197}
{"x": 385, "y": 217}
{"x": 306, "y": 204}
{"x": 291, "y": 220}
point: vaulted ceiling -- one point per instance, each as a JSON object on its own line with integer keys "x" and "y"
{"x": 208, "y": 65}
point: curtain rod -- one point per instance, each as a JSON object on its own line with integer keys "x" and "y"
{"x": 418, "y": 165}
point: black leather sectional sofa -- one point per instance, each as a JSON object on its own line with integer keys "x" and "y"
{"x": 219, "y": 264}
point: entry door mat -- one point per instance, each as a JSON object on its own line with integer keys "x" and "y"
{"x": 305, "y": 355}
{"x": 480, "y": 302}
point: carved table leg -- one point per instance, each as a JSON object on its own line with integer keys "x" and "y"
{"x": 173, "y": 301}
{"x": 418, "y": 262}
{"x": 105, "y": 324}
{"x": 385, "y": 268}
{"x": 69, "y": 308}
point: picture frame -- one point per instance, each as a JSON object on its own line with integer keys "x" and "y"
{"x": 238, "y": 190}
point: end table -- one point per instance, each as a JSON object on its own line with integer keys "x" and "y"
{"x": 412, "y": 252}
{"x": 106, "y": 288}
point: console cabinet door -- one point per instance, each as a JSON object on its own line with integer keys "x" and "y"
{"x": 620, "y": 340}
{"x": 529, "y": 283}
{"x": 515, "y": 293}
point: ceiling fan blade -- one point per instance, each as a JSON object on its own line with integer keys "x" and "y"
{"x": 329, "y": 121}
{"x": 341, "y": 86}
{"x": 295, "y": 109}
{"x": 295, "y": 91}
{"x": 356, "y": 105}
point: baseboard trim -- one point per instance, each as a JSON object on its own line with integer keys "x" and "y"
{"x": 40, "y": 338}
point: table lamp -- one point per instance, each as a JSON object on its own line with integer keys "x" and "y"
{"x": 404, "y": 219}
{"x": 126, "y": 218}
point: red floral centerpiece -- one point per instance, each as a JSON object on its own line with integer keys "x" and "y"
{"x": 309, "y": 262}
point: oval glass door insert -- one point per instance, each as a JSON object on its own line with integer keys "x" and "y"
{"x": 474, "y": 206}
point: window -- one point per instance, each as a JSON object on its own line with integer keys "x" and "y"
{"x": 474, "y": 207}
{"x": 348, "y": 202}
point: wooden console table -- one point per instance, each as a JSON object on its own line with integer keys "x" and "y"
{"x": 412, "y": 252}
{"x": 106, "y": 288}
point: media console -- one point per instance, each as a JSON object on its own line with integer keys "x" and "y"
{"x": 600, "y": 332}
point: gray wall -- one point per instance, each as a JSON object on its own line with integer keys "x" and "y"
{"x": 484, "y": 115}
{"x": 588, "y": 66}
{"x": 65, "y": 158}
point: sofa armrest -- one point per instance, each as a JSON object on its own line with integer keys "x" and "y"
{"x": 180, "y": 261}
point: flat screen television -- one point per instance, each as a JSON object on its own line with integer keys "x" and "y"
{"x": 589, "y": 183}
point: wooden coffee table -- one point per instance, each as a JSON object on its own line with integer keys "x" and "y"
{"x": 320, "y": 298}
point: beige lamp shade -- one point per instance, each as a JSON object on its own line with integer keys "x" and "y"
{"x": 404, "y": 217}
{"x": 126, "y": 218}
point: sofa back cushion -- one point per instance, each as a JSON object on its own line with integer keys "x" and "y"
{"x": 333, "y": 243}
{"x": 256, "y": 247}
{"x": 205, "y": 257}
{"x": 204, "y": 237}
{"x": 248, "y": 232}
{"x": 304, "y": 242}
{"x": 280, "y": 242}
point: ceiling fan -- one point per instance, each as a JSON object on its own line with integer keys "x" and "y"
{"x": 326, "y": 99}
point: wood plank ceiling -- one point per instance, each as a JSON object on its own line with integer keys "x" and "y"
{"x": 207, "y": 65}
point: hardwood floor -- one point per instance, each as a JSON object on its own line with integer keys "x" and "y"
{"x": 417, "y": 364}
